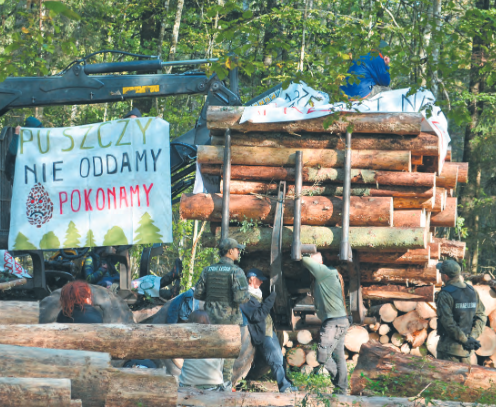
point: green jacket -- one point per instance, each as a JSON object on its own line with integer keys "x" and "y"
{"x": 230, "y": 290}
{"x": 327, "y": 292}
{"x": 452, "y": 343}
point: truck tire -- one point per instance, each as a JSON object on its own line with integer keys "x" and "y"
{"x": 113, "y": 309}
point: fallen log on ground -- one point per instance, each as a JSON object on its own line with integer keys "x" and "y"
{"x": 87, "y": 371}
{"x": 447, "y": 217}
{"x": 12, "y": 283}
{"x": 17, "y": 392}
{"x": 146, "y": 387}
{"x": 315, "y": 210}
{"x": 396, "y": 292}
{"x": 451, "y": 248}
{"x": 410, "y": 218}
{"x": 371, "y": 159}
{"x": 327, "y": 238}
{"x": 413, "y": 256}
{"x": 423, "y": 144}
{"x": 19, "y": 312}
{"x": 454, "y": 380}
{"x": 222, "y": 118}
{"x": 394, "y": 274}
{"x": 324, "y": 175}
{"x": 131, "y": 341}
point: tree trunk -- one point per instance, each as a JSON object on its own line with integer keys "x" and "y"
{"x": 396, "y": 292}
{"x": 12, "y": 283}
{"x": 131, "y": 341}
{"x": 462, "y": 171}
{"x": 423, "y": 144}
{"x": 371, "y": 273}
{"x": 175, "y": 33}
{"x": 448, "y": 177}
{"x": 383, "y": 312}
{"x": 147, "y": 387}
{"x": 447, "y": 217}
{"x": 409, "y": 323}
{"x": 405, "y": 306}
{"x": 464, "y": 382}
{"x": 88, "y": 371}
{"x": 414, "y": 256}
{"x": 327, "y": 238}
{"x": 275, "y": 157}
{"x": 19, "y": 312}
{"x": 355, "y": 338}
{"x": 15, "y": 392}
{"x": 324, "y": 175}
{"x": 316, "y": 210}
{"x": 409, "y": 218}
{"x": 488, "y": 342}
{"x": 223, "y": 118}
{"x": 451, "y": 248}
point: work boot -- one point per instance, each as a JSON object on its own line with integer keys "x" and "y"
{"x": 289, "y": 389}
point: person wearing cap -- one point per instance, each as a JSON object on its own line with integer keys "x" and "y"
{"x": 257, "y": 314}
{"x": 369, "y": 75}
{"x": 132, "y": 114}
{"x": 461, "y": 317}
{"x": 329, "y": 304}
{"x": 224, "y": 288}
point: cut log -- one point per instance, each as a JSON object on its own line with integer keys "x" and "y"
{"x": 19, "y": 312}
{"x": 476, "y": 279}
{"x": 283, "y": 351}
{"x": 462, "y": 171}
{"x": 446, "y": 218}
{"x": 315, "y": 210}
{"x": 327, "y": 238}
{"x": 384, "y": 329}
{"x": 311, "y": 359}
{"x": 435, "y": 249}
{"x": 306, "y": 370}
{"x": 420, "y": 351}
{"x": 405, "y": 306}
{"x": 459, "y": 381}
{"x": 409, "y": 323}
{"x": 393, "y": 274}
{"x": 383, "y": 312}
{"x": 396, "y": 292}
{"x": 374, "y": 336}
{"x": 433, "y": 323}
{"x": 417, "y": 338}
{"x": 451, "y": 248}
{"x": 374, "y": 327}
{"x": 289, "y": 344}
{"x": 76, "y": 403}
{"x": 304, "y": 337}
{"x": 417, "y": 160}
{"x": 222, "y": 118}
{"x": 87, "y": 371}
{"x": 397, "y": 339}
{"x": 488, "y": 297}
{"x": 296, "y": 357}
{"x": 275, "y": 157}
{"x": 492, "y": 320}
{"x": 448, "y": 177}
{"x": 431, "y": 342}
{"x": 283, "y": 337}
{"x": 427, "y": 310}
{"x": 17, "y": 392}
{"x": 12, "y": 283}
{"x": 405, "y": 348}
{"x": 325, "y": 175}
{"x": 131, "y": 341}
{"x": 147, "y": 387}
{"x": 355, "y": 337}
{"x": 488, "y": 342}
{"x": 414, "y": 256}
{"x": 410, "y": 218}
{"x": 384, "y": 339}
{"x": 441, "y": 197}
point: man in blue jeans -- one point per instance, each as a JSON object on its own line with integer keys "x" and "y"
{"x": 328, "y": 297}
{"x": 257, "y": 313}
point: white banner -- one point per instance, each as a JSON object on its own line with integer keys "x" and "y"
{"x": 9, "y": 265}
{"x": 300, "y": 102}
{"x": 103, "y": 184}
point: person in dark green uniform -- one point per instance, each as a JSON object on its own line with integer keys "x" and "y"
{"x": 223, "y": 287}
{"x": 329, "y": 304}
{"x": 460, "y": 313}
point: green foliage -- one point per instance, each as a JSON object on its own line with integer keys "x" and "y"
{"x": 49, "y": 241}
{"x": 72, "y": 236}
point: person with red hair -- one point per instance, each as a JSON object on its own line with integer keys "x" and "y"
{"x": 76, "y": 302}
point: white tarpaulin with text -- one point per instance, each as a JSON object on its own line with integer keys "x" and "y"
{"x": 101, "y": 184}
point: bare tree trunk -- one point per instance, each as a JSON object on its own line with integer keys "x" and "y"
{"x": 308, "y": 6}
{"x": 196, "y": 238}
{"x": 175, "y": 33}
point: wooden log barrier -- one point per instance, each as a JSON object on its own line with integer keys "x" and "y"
{"x": 19, "y": 312}
{"x": 463, "y": 382}
{"x": 131, "y": 341}
{"x": 223, "y": 118}
{"x": 315, "y": 210}
{"x": 16, "y": 392}
{"x": 397, "y": 292}
{"x": 447, "y": 217}
{"x": 371, "y": 159}
{"x": 12, "y": 283}
{"x": 413, "y": 256}
{"x": 423, "y": 144}
{"x": 324, "y": 175}
{"x": 451, "y": 248}
{"x": 328, "y": 238}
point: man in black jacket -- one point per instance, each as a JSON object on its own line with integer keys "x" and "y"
{"x": 257, "y": 313}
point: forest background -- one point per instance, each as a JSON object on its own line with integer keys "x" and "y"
{"x": 445, "y": 46}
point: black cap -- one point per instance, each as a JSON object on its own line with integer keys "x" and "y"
{"x": 449, "y": 267}
{"x": 134, "y": 112}
{"x": 227, "y": 244}
{"x": 256, "y": 273}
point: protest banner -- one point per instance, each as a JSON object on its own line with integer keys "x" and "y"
{"x": 102, "y": 184}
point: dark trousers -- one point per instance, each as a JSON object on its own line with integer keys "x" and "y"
{"x": 271, "y": 351}
{"x": 331, "y": 351}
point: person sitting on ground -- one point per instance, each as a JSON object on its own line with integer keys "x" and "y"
{"x": 205, "y": 374}
{"x": 263, "y": 337}
{"x": 100, "y": 270}
{"x": 76, "y": 302}
{"x": 371, "y": 75}
{"x": 132, "y": 114}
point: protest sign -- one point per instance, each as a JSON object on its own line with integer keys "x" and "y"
{"x": 102, "y": 184}
{"x": 9, "y": 265}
